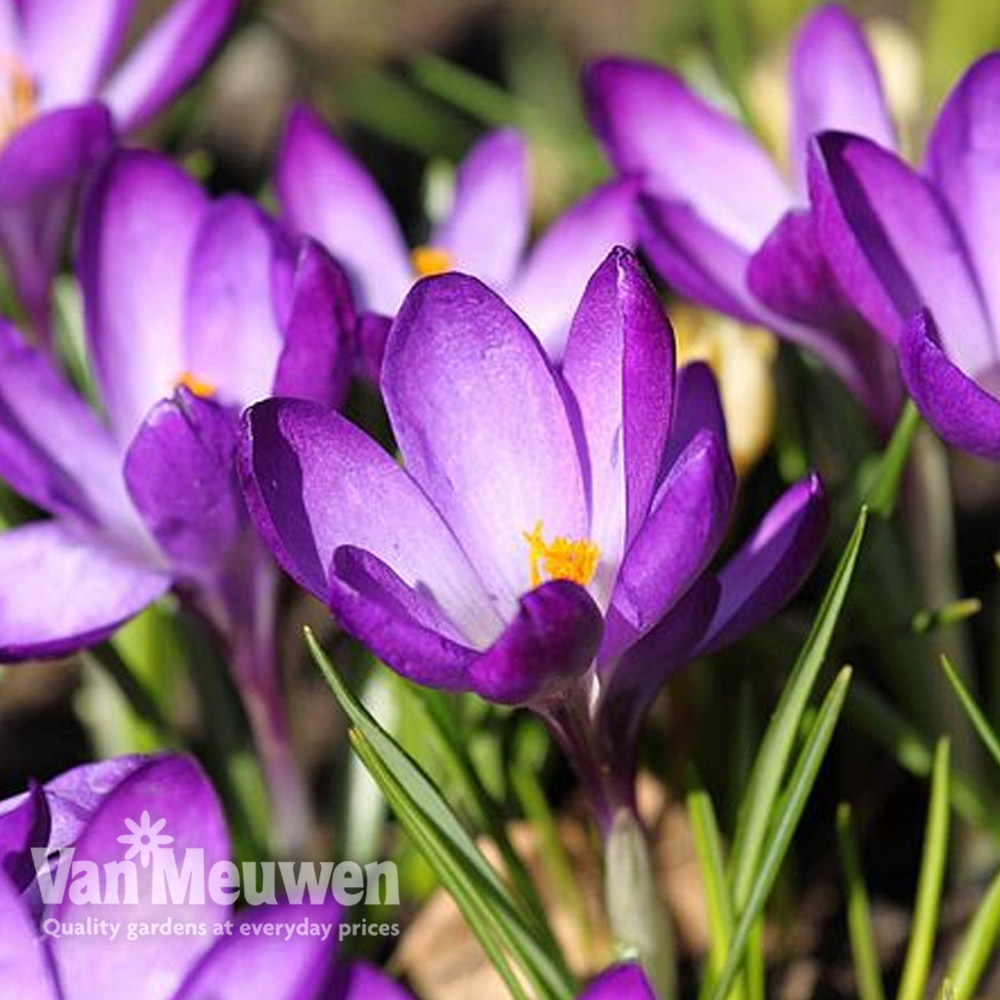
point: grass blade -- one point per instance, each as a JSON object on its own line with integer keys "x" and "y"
{"x": 919, "y": 954}
{"x": 978, "y": 946}
{"x": 859, "y": 918}
{"x": 779, "y": 739}
{"x": 787, "y": 816}
{"x": 975, "y": 714}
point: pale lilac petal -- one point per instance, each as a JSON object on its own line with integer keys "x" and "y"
{"x": 309, "y": 478}
{"x": 487, "y": 227}
{"x": 482, "y": 427}
{"x": 963, "y": 159}
{"x": 619, "y": 367}
{"x": 654, "y": 127}
{"x": 326, "y": 193}
{"x": 70, "y": 45}
{"x": 319, "y": 353}
{"x": 892, "y": 242}
{"x": 964, "y": 413}
{"x": 41, "y": 167}
{"x": 166, "y": 59}
{"x": 63, "y": 588}
{"x": 552, "y": 279}
{"x": 772, "y": 564}
{"x": 627, "y": 982}
{"x": 140, "y": 222}
{"x": 173, "y": 788}
{"x": 549, "y": 643}
{"x": 181, "y": 477}
{"x": 231, "y": 332}
{"x": 835, "y": 84}
{"x": 53, "y": 448}
{"x": 25, "y": 964}
{"x": 264, "y": 967}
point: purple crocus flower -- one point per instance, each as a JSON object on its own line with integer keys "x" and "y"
{"x": 902, "y": 239}
{"x": 548, "y": 538}
{"x": 97, "y": 811}
{"x": 326, "y": 192}
{"x": 62, "y": 98}
{"x": 722, "y": 224}
{"x": 194, "y": 309}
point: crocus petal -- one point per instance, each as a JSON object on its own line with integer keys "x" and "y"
{"x": 167, "y": 58}
{"x": 249, "y": 966}
{"x": 139, "y": 225}
{"x": 790, "y": 274}
{"x": 25, "y": 965}
{"x": 373, "y": 332}
{"x": 963, "y": 159}
{"x": 487, "y": 227}
{"x": 697, "y": 408}
{"x": 835, "y": 84}
{"x": 25, "y": 822}
{"x": 696, "y": 259}
{"x": 62, "y": 588}
{"x": 550, "y": 642}
{"x": 892, "y": 242}
{"x": 70, "y": 44}
{"x": 627, "y": 982}
{"x": 309, "y": 477}
{"x": 317, "y": 359}
{"x": 180, "y": 475}
{"x": 53, "y": 449}
{"x": 231, "y": 332}
{"x": 686, "y": 151}
{"x": 631, "y": 683}
{"x": 687, "y": 524}
{"x": 40, "y": 170}
{"x": 482, "y": 427}
{"x": 170, "y": 788}
{"x": 962, "y": 412}
{"x": 361, "y": 981}
{"x": 772, "y": 564}
{"x": 326, "y": 193}
{"x": 549, "y": 285}
{"x": 619, "y": 367}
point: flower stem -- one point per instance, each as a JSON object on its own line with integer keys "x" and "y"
{"x": 638, "y": 917}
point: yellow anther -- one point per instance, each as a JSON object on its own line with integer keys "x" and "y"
{"x": 562, "y": 559}
{"x": 195, "y": 385}
{"x": 429, "y": 260}
{"x": 18, "y": 96}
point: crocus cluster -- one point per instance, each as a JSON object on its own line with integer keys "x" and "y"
{"x": 64, "y": 95}
{"x": 549, "y": 538}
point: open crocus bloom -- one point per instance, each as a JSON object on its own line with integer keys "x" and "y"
{"x": 903, "y": 240}
{"x": 325, "y": 192}
{"x": 62, "y": 99}
{"x": 548, "y": 537}
{"x": 98, "y": 811}
{"x": 194, "y": 309}
{"x": 722, "y": 224}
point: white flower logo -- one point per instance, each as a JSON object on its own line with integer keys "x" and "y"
{"x": 145, "y": 838}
